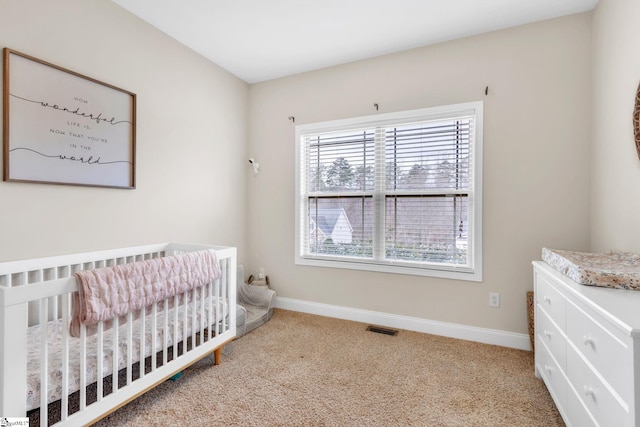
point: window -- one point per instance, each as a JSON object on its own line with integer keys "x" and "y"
{"x": 398, "y": 192}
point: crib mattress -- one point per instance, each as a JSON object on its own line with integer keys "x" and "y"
{"x": 56, "y": 329}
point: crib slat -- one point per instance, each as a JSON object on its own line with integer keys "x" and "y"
{"x": 99, "y": 359}
{"x": 154, "y": 333}
{"x": 175, "y": 326}
{"x": 44, "y": 362}
{"x": 210, "y": 313}
{"x": 53, "y": 309}
{"x": 115, "y": 327}
{"x": 194, "y": 313}
{"x": 223, "y": 296}
{"x": 143, "y": 318}
{"x": 185, "y": 331}
{"x": 83, "y": 367}
{"x": 129, "y": 346}
{"x": 65, "y": 357}
{"x": 218, "y": 324}
{"x": 220, "y": 286}
{"x": 202, "y": 313}
{"x": 165, "y": 338}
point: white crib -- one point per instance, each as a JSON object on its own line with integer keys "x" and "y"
{"x": 76, "y": 381}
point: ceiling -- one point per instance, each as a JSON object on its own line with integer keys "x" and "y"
{"x": 259, "y": 40}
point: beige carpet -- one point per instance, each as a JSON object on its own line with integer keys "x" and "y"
{"x": 306, "y": 370}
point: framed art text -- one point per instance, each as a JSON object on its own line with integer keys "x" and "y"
{"x": 65, "y": 128}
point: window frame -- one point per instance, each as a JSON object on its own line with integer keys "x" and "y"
{"x": 473, "y": 272}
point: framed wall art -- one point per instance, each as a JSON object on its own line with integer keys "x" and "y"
{"x": 62, "y": 127}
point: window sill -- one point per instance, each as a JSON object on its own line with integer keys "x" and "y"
{"x": 448, "y": 272}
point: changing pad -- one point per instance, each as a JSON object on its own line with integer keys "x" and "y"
{"x": 618, "y": 270}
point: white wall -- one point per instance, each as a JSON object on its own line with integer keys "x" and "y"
{"x": 191, "y": 137}
{"x": 615, "y": 168}
{"x": 193, "y": 180}
{"x": 536, "y": 155}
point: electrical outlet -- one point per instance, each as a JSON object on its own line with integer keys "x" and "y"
{"x": 494, "y": 299}
{"x": 261, "y": 273}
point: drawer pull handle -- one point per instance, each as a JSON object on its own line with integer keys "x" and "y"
{"x": 547, "y": 368}
{"x": 546, "y": 333}
{"x": 547, "y": 299}
{"x": 589, "y": 392}
{"x": 588, "y": 341}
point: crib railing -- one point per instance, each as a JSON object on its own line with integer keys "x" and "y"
{"x": 162, "y": 339}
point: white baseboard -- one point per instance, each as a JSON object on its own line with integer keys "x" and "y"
{"x": 452, "y": 330}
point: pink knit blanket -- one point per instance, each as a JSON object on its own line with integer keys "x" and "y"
{"x": 109, "y": 292}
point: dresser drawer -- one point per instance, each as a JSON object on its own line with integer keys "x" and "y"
{"x": 550, "y": 300}
{"x": 555, "y": 341}
{"x": 578, "y": 415}
{"x": 609, "y": 355}
{"x": 552, "y": 375}
{"x": 603, "y": 406}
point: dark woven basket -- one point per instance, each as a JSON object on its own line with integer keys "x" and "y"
{"x": 636, "y": 121}
{"x": 530, "y": 311}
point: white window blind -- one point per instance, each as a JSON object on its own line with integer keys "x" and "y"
{"x": 395, "y": 192}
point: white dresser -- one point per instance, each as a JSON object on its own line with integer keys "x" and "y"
{"x": 587, "y": 349}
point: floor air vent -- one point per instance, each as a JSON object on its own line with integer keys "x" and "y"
{"x": 381, "y": 330}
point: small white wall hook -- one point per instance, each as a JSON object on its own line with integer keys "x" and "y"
{"x": 255, "y": 165}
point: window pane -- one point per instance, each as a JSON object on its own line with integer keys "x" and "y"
{"x": 341, "y": 162}
{"x": 341, "y": 226}
{"x": 426, "y": 229}
{"x": 428, "y": 156}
